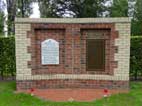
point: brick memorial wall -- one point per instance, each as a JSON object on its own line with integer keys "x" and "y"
{"x": 51, "y": 53}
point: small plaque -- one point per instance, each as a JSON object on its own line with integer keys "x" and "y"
{"x": 50, "y": 52}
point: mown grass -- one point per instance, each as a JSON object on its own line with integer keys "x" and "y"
{"x": 9, "y": 98}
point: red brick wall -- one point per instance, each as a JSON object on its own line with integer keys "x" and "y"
{"x": 40, "y": 36}
{"x": 72, "y": 43}
{"x": 72, "y": 60}
{"x": 58, "y": 84}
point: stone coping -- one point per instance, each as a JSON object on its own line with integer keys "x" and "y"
{"x": 73, "y": 20}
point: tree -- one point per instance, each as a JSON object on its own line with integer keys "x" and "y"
{"x": 17, "y": 8}
{"x": 48, "y": 8}
{"x": 138, "y": 11}
{"x": 1, "y": 22}
{"x": 1, "y": 18}
{"x": 72, "y": 8}
{"x": 23, "y": 8}
{"x": 131, "y": 4}
{"x": 11, "y": 9}
{"x": 119, "y": 8}
{"x": 136, "y": 57}
{"x": 137, "y": 19}
{"x": 87, "y": 8}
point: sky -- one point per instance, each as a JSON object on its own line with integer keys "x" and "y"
{"x": 36, "y": 13}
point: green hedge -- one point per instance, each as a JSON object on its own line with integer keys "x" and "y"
{"x": 7, "y": 57}
{"x": 136, "y": 57}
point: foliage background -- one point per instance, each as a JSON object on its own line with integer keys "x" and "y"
{"x": 136, "y": 57}
{"x": 7, "y": 57}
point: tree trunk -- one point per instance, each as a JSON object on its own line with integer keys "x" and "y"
{"x": 1, "y": 74}
{"x": 22, "y": 8}
{"x": 11, "y": 9}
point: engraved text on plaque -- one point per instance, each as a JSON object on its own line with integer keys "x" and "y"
{"x": 50, "y": 52}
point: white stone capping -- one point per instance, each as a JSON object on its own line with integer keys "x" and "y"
{"x": 72, "y": 20}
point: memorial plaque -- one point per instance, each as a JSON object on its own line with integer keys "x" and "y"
{"x": 50, "y": 52}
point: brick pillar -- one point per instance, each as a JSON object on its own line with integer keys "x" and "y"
{"x": 72, "y": 49}
{"x": 68, "y": 49}
{"x": 76, "y": 49}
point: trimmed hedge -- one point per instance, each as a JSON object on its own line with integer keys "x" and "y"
{"x": 7, "y": 57}
{"x": 136, "y": 57}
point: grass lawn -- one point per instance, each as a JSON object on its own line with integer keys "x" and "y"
{"x": 9, "y": 98}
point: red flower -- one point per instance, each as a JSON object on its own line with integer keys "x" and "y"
{"x": 32, "y": 90}
{"x": 105, "y": 91}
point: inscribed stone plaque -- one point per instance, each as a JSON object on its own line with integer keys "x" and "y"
{"x": 50, "y": 52}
